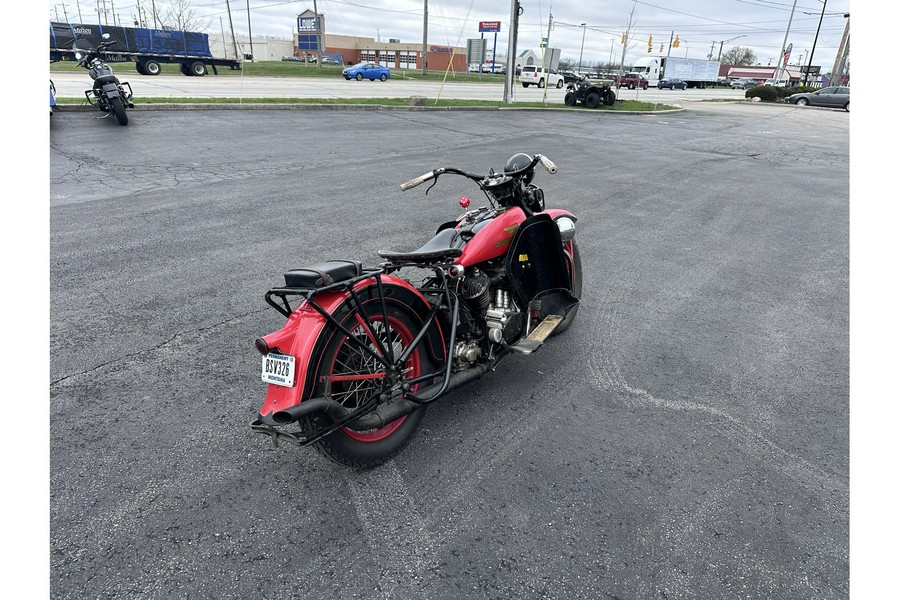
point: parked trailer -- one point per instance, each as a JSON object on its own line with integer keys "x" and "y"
{"x": 696, "y": 73}
{"x": 147, "y": 48}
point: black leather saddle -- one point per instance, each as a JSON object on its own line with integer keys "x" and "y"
{"x": 323, "y": 274}
{"x": 446, "y": 244}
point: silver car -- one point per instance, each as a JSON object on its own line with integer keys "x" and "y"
{"x": 832, "y": 97}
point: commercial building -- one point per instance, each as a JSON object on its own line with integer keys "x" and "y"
{"x": 393, "y": 54}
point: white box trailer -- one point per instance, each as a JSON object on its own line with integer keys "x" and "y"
{"x": 693, "y": 71}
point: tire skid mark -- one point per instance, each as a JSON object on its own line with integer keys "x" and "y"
{"x": 608, "y": 374}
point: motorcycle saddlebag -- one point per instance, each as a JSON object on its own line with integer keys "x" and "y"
{"x": 322, "y": 274}
{"x": 536, "y": 266}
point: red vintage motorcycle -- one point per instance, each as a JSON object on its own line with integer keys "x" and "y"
{"x": 365, "y": 351}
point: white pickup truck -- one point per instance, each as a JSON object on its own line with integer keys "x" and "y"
{"x": 535, "y": 75}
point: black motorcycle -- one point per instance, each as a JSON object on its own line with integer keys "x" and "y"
{"x": 112, "y": 96}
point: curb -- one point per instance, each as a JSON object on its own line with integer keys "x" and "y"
{"x": 362, "y": 107}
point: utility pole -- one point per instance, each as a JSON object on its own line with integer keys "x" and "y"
{"x": 231, "y": 25}
{"x": 78, "y": 5}
{"x": 711, "y": 50}
{"x": 508, "y": 83}
{"x": 581, "y": 55}
{"x": 544, "y": 55}
{"x": 784, "y": 44}
{"x": 425, "y": 42}
{"x": 318, "y": 37}
{"x": 153, "y": 8}
{"x": 815, "y": 39}
{"x": 250, "y": 31}
{"x": 625, "y": 37}
{"x": 840, "y": 60}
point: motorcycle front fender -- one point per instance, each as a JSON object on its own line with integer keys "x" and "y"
{"x": 306, "y": 333}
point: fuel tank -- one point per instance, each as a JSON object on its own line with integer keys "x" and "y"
{"x": 493, "y": 238}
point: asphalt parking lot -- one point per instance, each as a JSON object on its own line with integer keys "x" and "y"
{"x": 687, "y": 438}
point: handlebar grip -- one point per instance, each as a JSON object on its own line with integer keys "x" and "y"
{"x": 548, "y": 164}
{"x": 417, "y": 181}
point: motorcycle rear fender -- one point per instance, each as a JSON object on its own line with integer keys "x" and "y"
{"x": 306, "y": 334}
{"x": 111, "y": 90}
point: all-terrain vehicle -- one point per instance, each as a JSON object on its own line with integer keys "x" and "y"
{"x": 590, "y": 93}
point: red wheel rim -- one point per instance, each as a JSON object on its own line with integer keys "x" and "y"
{"x": 355, "y": 375}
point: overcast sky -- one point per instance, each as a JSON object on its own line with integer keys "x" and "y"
{"x": 698, "y": 23}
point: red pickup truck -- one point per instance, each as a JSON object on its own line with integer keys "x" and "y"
{"x": 631, "y": 81}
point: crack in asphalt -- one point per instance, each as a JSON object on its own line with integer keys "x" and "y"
{"x": 157, "y": 346}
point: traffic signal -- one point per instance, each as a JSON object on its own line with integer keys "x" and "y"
{"x": 623, "y": 38}
{"x": 676, "y": 43}
{"x": 661, "y": 48}
{"x": 650, "y": 44}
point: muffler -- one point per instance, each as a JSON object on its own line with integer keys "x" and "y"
{"x": 384, "y": 414}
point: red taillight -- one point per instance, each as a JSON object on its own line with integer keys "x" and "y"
{"x": 262, "y": 346}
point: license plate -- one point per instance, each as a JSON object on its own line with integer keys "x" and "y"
{"x": 278, "y": 369}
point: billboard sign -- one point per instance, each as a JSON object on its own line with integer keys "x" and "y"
{"x": 489, "y": 26}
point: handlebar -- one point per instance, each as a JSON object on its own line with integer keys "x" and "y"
{"x": 418, "y": 180}
{"x": 548, "y": 164}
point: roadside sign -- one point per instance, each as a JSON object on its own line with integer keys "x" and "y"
{"x": 488, "y": 26}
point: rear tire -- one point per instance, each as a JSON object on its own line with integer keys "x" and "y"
{"x": 559, "y": 84}
{"x": 847, "y": 107}
{"x": 343, "y": 359}
{"x": 359, "y": 76}
{"x": 198, "y": 69}
{"x": 609, "y": 98}
{"x": 541, "y": 83}
{"x": 592, "y": 100}
{"x": 117, "y": 106}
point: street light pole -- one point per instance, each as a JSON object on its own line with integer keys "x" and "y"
{"x": 723, "y": 42}
{"x": 816, "y": 39}
{"x": 777, "y": 75}
{"x": 580, "y": 56}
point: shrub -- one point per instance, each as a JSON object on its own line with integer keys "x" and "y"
{"x": 766, "y": 93}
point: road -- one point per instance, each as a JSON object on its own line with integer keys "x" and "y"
{"x": 686, "y": 438}
{"x": 211, "y": 86}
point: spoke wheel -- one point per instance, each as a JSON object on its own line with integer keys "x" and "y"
{"x": 355, "y": 376}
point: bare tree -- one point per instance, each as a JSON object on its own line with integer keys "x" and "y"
{"x": 739, "y": 57}
{"x": 180, "y": 16}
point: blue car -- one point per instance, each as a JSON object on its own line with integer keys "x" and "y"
{"x": 672, "y": 84}
{"x": 367, "y": 70}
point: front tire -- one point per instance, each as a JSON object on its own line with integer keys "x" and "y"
{"x": 847, "y": 107}
{"x": 802, "y": 101}
{"x": 383, "y": 77}
{"x": 592, "y": 100}
{"x": 354, "y": 376}
{"x": 541, "y": 83}
{"x": 570, "y": 99}
{"x": 573, "y": 258}
{"x": 559, "y": 84}
{"x": 359, "y": 77}
{"x": 118, "y": 108}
